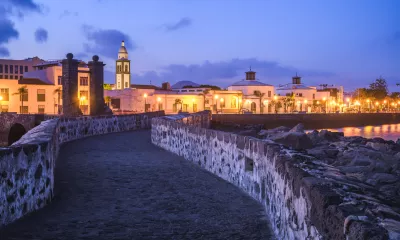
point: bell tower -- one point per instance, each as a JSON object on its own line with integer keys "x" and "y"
{"x": 123, "y": 69}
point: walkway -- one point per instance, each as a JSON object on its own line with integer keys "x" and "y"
{"x": 120, "y": 186}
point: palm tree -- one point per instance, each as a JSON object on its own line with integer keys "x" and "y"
{"x": 22, "y": 91}
{"x": 178, "y": 101}
{"x": 260, "y": 95}
{"x": 205, "y": 92}
{"x": 107, "y": 100}
{"x": 58, "y": 91}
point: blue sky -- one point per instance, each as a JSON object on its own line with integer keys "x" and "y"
{"x": 214, "y": 41}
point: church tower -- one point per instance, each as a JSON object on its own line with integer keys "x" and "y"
{"x": 123, "y": 71}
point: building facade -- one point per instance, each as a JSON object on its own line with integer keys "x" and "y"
{"x": 123, "y": 69}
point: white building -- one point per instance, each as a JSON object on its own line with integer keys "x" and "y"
{"x": 250, "y": 87}
{"x": 123, "y": 69}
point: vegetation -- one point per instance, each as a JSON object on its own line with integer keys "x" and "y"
{"x": 178, "y": 102}
{"x": 107, "y": 86}
{"x": 22, "y": 91}
{"x": 107, "y": 100}
{"x": 58, "y": 91}
{"x": 260, "y": 95}
{"x": 205, "y": 92}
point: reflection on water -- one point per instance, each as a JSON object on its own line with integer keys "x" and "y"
{"x": 387, "y": 131}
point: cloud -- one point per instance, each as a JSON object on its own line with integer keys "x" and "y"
{"x": 105, "y": 42}
{"x": 183, "y": 23}
{"x": 41, "y": 35}
{"x": 4, "y": 52}
{"x": 8, "y": 9}
{"x": 224, "y": 73}
{"x": 7, "y": 31}
{"x": 67, "y": 13}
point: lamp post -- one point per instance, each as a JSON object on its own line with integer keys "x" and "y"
{"x": 159, "y": 103}
{"x": 216, "y": 103}
{"x": 145, "y": 102}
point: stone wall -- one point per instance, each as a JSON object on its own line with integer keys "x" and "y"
{"x": 300, "y": 205}
{"x": 27, "y": 166}
{"x": 310, "y": 120}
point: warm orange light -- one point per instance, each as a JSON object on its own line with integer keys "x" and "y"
{"x": 368, "y": 100}
{"x": 384, "y": 101}
{"x": 377, "y": 103}
{"x": 83, "y": 98}
{"x": 275, "y": 97}
{"x": 305, "y": 101}
{"x": 221, "y": 99}
{"x": 347, "y": 99}
{"x": 1, "y": 98}
{"x": 216, "y": 97}
{"x": 324, "y": 98}
{"x": 317, "y": 102}
{"x": 145, "y": 95}
{"x": 193, "y": 100}
{"x": 158, "y": 99}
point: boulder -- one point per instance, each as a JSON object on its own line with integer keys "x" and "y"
{"x": 295, "y": 140}
{"x": 298, "y": 128}
{"x": 330, "y": 136}
{"x": 273, "y": 131}
{"x": 379, "y": 146}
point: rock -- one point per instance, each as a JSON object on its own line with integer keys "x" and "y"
{"x": 398, "y": 141}
{"x": 379, "y": 146}
{"x": 330, "y": 136}
{"x": 249, "y": 132}
{"x": 273, "y": 131}
{"x": 295, "y": 140}
{"x": 332, "y": 153}
{"x": 298, "y": 128}
{"x": 382, "y": 178}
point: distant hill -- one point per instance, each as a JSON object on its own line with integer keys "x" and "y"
{"x": 182, "y": 84}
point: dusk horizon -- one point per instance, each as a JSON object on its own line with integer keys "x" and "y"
{"x": 210, "y": 42}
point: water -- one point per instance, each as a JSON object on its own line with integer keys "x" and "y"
{"x": 386, "y": 131}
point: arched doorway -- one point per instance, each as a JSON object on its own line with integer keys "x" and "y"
{"x": 253, "y": 107}
{"x": 16, "y": 132}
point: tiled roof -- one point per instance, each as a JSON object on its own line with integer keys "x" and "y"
{"x": 144, "y": 86}
{"x": 250, "y": 83}
{"x": 33, "y": 81}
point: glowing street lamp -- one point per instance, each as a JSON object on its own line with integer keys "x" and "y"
{"x": 275, "y": 97}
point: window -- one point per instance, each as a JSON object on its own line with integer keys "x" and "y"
{"x": 6, "y": 76}
{"x": 26, "y": 68}
{"x": 16, "y": 77}
{"x": 126, "y": 68}
{"x": 207, "y": 101}
{"x": 21, "y": 69}
{"x": 83, "y": 81}
{"x": 313, "y": 96}
{"x": 1, "y": 68}
{"x": 4, "y": 108}
{"x": 20, "y": 77}
{"x": 126, "y": 84}
{"x": 41, "y": 95}
{"x": 119, "y": 85}
{"x": 23, "y": 109}
{"x": 11, "y": 69}
{"x": 1, "y": 76}
{"x": 11, "y": 76}
{"x": 185, "y": 107}
{"x": 16, "y": 69}
{"x": 59, "y": 80}
{"x": 40, "y": 108}
{"x": 269, "y": 94}
{"x": 222, "y": 103}
{"x": 6, "y": 68}
{"x": 4, "y": 92}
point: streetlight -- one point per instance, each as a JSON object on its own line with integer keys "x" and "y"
{"x": 159, "y": 103}
{"x": 145, "y": 102}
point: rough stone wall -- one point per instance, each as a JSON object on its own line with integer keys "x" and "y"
{"x": 8, "y": 119}
{"x": 70, "y": 86}
{"x": 300, "y": 205}
{"x": 26, "y": 172}
{"x": 27, "y": 166}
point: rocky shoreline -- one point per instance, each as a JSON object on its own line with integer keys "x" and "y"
{"x": 365, "y": 173}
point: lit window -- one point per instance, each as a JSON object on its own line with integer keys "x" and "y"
{"x": 83, "y": 81}
{"x": 40, "y": 108}
{"x": 59, "y": 80}
{"x": 4, "y": 93}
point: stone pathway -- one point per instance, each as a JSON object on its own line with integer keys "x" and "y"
{"x": 120, "y": 186}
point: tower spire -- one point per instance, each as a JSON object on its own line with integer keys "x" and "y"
{"x": 123, "y": 43}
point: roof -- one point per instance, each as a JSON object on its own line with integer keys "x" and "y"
{"x": 291, "y": 86}
{"x": 250, "y": 83}
{"x": 144, "y": 86}
{"x": 182, "y": 84}
{"x": 33, "y": 81}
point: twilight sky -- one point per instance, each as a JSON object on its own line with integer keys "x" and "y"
{"x": 344, "y": 42}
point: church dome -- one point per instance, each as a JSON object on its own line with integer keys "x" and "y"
{"x": 122, "y": 53}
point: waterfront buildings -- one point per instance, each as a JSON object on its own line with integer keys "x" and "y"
{"x": 34, "y": 85}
